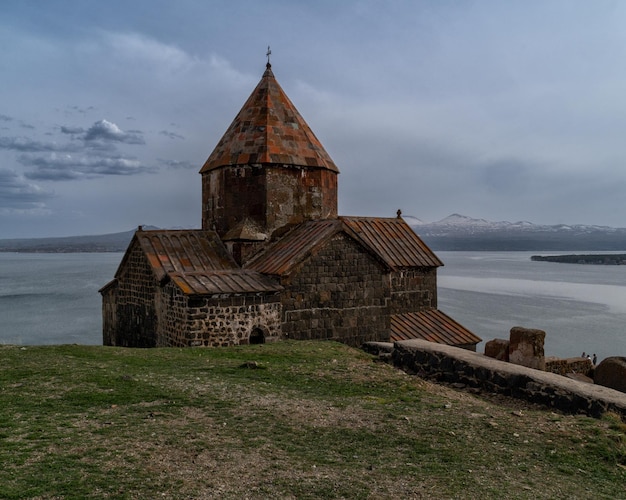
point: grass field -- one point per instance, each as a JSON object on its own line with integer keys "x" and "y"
{"x": 284, "y": 420}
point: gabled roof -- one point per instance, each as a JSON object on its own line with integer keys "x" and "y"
{"x": 391, "y": 241}
{"x": 246, "y": 230}
{"x": 197, "y": 262}
{"x": 294, "y": 247}
{"x": 432, "y": 325}
{"x": 184, "y": 251}
{"x": 269, "y": 130}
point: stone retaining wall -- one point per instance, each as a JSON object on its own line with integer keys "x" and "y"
{"x": 453, "y": 365}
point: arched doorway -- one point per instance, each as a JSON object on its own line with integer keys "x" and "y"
{"x": 257, "y": 336}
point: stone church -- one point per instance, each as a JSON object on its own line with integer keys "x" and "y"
{"x": 273, "y": 259}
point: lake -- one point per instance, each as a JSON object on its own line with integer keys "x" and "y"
{"x": 580, "y": 307}
{"x": 54, "y": 299}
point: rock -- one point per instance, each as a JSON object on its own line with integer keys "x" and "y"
{"x": 611, "y": 372}
{"x": 377, "y": 348}
{"x": 580, "y": 377}
{"x": 497, "y": 349}
{"x": 526, "y": 347}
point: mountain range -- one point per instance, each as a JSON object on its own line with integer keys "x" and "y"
{"x": 455, "y": 232}
{"x": 459, "y": 232}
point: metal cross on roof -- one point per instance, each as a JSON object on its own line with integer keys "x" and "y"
{"x": 268, "y": 54}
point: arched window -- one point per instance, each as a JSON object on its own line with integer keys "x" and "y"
{"x": 257, "y": 336}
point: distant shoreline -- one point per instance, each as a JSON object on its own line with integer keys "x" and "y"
{"x": 593, "y": 259}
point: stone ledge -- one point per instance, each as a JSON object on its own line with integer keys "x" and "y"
{"x": 454, "y": 365}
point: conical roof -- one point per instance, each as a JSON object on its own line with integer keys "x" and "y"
{"x": 269, "y": 130}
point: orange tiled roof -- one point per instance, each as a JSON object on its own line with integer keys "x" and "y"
{"x": 197, "y": 262}
{"x": 295, "y": 246}
{"x": 184, "y": 251}
{"x": 234, "y": 281}
{"x": 432, "y": 325}
{"x": 269, "y": 130}
{"x": 392, "y": 241}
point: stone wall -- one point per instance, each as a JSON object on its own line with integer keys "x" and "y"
{"x": 340, "y": 293}
{"x": 563, "y": 366}
{"x": 454, "y": 365}
{"x": 215, "y": 321}
{"x": 271, "y": 196}
{"x": 129, "y": 318}
{"x": 413, "y": 290}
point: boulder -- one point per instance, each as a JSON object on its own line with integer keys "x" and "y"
{"x": 526, "y": 347}
{"x": 497, "y": 349}
{"x": 611, "y": 372}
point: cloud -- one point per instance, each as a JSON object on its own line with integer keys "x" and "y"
{"x": 79, "y": 109}
{"x": 72, "y": 130}
{"x": 106, "y": 131}
{"x": 68, "y": 167}
{"x": 26, "y": 145}
{"x": 5, "y": 118}
{"x": 19, "y": 195}
{"x": 177, "y": 164}
{"x": 171, "y": 135}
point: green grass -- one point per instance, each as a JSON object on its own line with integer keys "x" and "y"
{"x": 284, "y": 420}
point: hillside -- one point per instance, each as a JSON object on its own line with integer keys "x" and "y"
{"x": 286, "y": 420}
{"x": 113, "y": 242}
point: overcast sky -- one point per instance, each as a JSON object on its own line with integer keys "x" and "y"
{"x": 504, "y": 110}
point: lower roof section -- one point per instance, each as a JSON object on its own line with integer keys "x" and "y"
{"x": 231, "y": 282}
{"x": 432, "y": 325}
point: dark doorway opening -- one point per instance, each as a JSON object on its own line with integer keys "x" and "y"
{"x": 257, "y": 336}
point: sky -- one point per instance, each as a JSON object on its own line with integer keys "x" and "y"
{"x": 502, "y": 110}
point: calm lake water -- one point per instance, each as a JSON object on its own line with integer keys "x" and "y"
{"x": 580, "y": 307}
{"x": 54, "y": 299}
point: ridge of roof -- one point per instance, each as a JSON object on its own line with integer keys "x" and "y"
{"x": 269, "y": 130}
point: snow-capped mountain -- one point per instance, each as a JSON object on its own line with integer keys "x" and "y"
{"x": 459, "y": 232}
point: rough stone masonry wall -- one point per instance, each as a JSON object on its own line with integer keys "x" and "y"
{"x": 454, "y": 365}
{"x": 109, "y": 315}
{"x": 270, "y": 195}
{"x": 171, "y": 308}
{"x": 215, "y": 322}
{"x": 413, "y": 290}
{"x": 339, "y": 293}
{"x": 132, "y": 299}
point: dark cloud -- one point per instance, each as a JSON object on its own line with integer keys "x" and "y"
{"x": 171, "y": 135}
{"x": 5, "y": 118}
{"x": 68, "y": 167}
{"x": 81, "y": 110}
{"x": 107, "y": 131}
{"x": 16, "y": 193}
{"x": 26, "y": 145}
{"x": 72, "y": 130}
{"x": 177, "y": 164}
